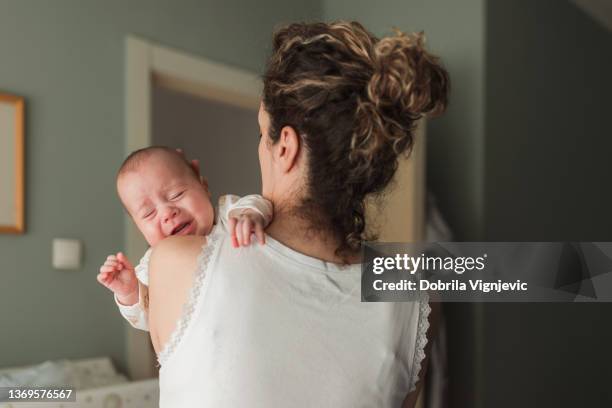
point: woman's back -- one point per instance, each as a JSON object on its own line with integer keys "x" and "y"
{"x": 267, "y": 327}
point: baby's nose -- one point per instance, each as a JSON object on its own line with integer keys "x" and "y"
{"x": 170, "y": 213}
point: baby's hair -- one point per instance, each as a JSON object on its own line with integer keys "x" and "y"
{"x": 138, "y": 157}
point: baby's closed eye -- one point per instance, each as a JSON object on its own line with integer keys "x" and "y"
{"x": 148, "y": 214}
{"x": 177, "y": 195}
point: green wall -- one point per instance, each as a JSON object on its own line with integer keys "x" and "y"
{"x": 67, "y": 59}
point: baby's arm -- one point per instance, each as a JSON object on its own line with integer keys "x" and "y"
{"x": 119, "y": 276}
{"x": 244, "y": 216}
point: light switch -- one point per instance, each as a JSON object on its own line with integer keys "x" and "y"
{"x": 66, "y": 253}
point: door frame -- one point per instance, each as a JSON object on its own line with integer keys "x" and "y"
{"x": 148, "y": 64}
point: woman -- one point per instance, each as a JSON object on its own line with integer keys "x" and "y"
{"x": 282, "y": 324}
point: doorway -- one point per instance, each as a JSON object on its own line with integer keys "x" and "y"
{"x": 179, "y": 99}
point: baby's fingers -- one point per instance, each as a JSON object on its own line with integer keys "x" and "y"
{"x": 232, "y": 228}
{"x": 111, "y": 262}
{"x": 124, "y": 262}
{"x": 105, "y": 278}
{"x": 247, "y": 227}
{"x": 238, "y": 232}
{"x": 259, "y": 233}
{"x": 112, "y": 267}
{"x": 107, "y": 269}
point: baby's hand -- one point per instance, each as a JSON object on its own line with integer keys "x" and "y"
{"x": 118, "y": 275}
{"x": 242, "y": 224}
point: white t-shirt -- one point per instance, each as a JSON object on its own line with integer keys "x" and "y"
{"x": 136, "y": 314}
{"x": 266, "y": 326}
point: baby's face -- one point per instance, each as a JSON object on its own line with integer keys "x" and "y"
{"x": 165, "y": 198}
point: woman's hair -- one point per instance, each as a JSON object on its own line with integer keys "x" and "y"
{"x": 354, "y": 100}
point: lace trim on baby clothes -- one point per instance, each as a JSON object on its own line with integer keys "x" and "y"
{"x": 194, "y": 295}
{"x": 421, "y": 340}
{"x": 142, "y": 269}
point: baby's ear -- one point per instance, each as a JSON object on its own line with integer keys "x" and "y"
{"x": 204, "y": 182}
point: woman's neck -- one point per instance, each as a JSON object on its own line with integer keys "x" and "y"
{"x": 299, "y": 235}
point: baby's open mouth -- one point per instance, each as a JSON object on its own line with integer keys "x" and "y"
{"x": 180, "y": 227}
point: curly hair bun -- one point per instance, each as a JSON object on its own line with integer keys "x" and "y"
{"x": 407, "y": 82}
{"x": 407, "y": 74}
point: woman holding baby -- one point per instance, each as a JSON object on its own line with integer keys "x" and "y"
{"x": 282, "y": 324}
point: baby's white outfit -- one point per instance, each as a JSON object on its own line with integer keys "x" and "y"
{"x": 136, "y": 314}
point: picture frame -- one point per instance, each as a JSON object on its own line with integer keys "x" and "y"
{"x": 12, "y": 164}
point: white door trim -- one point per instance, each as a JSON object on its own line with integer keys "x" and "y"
{"x": 147, "y": 64}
